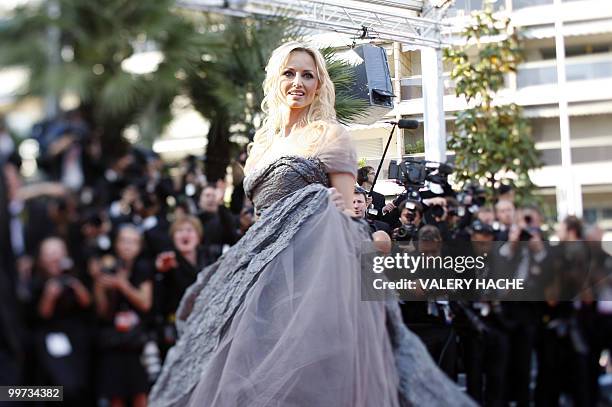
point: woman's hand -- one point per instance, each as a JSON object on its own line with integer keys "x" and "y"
{"x": 337, "y": 199}
{"x": 53, "y": 288}
{"x": 165, "y": 261}
{"x": 107, "y": 281}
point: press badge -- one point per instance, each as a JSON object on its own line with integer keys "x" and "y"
{"x": 58, "y": 344}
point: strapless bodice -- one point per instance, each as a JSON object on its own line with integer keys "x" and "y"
{"x": 282, "y": 177}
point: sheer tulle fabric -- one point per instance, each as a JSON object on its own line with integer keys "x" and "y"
{"x": 328, "y": 142}
{"x": 302, "y": 336}
{"x": 278, "y": 319}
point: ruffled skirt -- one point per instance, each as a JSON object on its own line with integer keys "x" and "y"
{"x": 278, "y": 321}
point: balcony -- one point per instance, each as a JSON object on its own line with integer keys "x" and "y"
{"x": 412, "y": 87}
{"x": 518, "y": 4}
{"x": 583, "y": 68}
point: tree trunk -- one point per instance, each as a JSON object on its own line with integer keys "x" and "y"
{"x": 218, "y": 149}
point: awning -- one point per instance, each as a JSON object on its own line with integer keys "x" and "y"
{"x": 578, "y": 109}
{"x": 569, "y": 29}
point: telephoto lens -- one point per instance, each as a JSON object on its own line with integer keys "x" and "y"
{"x": 151, "y": 360}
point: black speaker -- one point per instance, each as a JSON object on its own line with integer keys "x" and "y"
{"x": 373, "y": 83}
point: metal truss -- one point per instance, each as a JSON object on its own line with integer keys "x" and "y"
{"x": 393, "y": 20}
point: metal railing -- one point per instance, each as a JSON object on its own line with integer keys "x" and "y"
{"x": 587, "y": 67}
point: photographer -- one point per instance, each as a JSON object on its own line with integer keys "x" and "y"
{"x": 505, "y": 214}
{"x": 60, "y": 305}
{"x": 564, "y": 343}
{"x": 64, "y": 149}
{"x": 375, "y": 200}
{"x": 481, "y": 329}
{"x": 177, "y": 270}
{"x": 526, "y": 254}
{"x": 217, "y": 221}
{"x": 470, "y": 201}
{"x": 360, "y": 207}
{"x": 410, "y": 220}
{"x": 599, "y": 327}
{"x": 436, "y": 214}
{"x": 123, "y": 293}
{"x": 432, "y": 320}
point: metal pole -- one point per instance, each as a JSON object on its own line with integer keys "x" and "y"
{"x": 569, "y": 201}
{"x": 53, "y": 56}
{"x": 381, "y": 160}
{"x": 397, "y": 85}
{"x": 433, "y": 101}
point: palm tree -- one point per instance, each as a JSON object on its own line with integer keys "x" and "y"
{"x": 95, "y": 37}
{"x": 218, "y": 61}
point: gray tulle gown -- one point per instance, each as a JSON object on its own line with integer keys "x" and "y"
{"x": 278, "y": 320}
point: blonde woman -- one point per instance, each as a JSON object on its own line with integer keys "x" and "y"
{"x": 278, "y": 320}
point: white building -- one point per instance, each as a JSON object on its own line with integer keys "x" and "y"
{"x": 586, "y": 28}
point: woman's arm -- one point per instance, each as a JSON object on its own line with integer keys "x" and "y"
{"x": 46, "y": 306}
{"x": 81, "y": 292}
{"x": 100, "y": 298}
{"x": 345, "y": 184}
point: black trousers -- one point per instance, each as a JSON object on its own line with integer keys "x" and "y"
{"x": 486, "y": 361}
{"x": 561, "y": 370}
{"x": 441, "y": 342}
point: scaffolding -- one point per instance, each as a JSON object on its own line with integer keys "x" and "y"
{"x": 417, "y": 23}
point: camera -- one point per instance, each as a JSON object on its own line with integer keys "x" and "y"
{"x": 414, "y": 174}
{"x": 528, "y": 232}
{"x": 437, "y": 211}
{"x": 473, "y": 197}
{"x": 407, "y": 232}
{"x": 420, "y": 178}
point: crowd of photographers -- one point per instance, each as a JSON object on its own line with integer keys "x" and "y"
{"x": 99, "y": 253}
{"x": 95, "y": 258}
{"x": 510, "y": 351}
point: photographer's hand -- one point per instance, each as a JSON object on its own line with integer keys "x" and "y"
{"x": 61, "y": 144}
{"x": 435, "y": 201}
{"x": 106, "y": 281}
{"x": 82, "y": 294}
{"x": 53, "y": 288}
{"x": 514, "y": 237}
{"x": 122, "y": 283}
{"x": 52, "y": 291}
{"x": 388, "y": 208}
{"x": 220, "y": 191}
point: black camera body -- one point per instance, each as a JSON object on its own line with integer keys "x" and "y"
{"x": 414, "y": 175}
{"x": 408, "y": 232}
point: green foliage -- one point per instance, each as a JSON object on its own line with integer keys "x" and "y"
{"x": 348, "y": 107}
{"x": 94, "y": 38}
{"x": 491, "y": 141}
{"x": 416, "y": 148}
{"x": 217, "y": 61}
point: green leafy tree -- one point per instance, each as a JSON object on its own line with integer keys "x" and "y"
{"x": 491, "y": 141}
{"x": 226, "y": 84}
{"x": 94, "y": 38}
